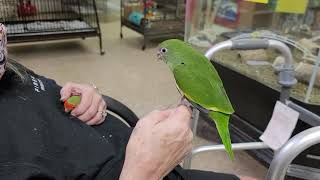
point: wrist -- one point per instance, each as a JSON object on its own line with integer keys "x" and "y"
{"x": 138, "y": 171}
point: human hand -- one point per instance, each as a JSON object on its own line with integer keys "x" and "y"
{"x": 92, "y": 107}
{"x": 159, "y": 142}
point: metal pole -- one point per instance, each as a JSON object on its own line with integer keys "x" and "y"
{"x": 313, "y": 78}
{"x": 290, "y": 150}
{"x": 218, "y": 47}
{"x": 188, "y": 19}
{"x": 247, "y": 44}
{"x": 195, "y": 119}
{"x": 284, "y": 94}
{"x": 102, "y": 52}
{"x": 235, "y": 147}
{"x": 305, "y": 115}
{"x": 194, "y": 124}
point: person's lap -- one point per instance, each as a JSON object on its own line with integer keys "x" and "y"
{"x": 117, "y": 132}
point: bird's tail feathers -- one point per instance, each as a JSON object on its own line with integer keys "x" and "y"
{"x": 222, "y": 123}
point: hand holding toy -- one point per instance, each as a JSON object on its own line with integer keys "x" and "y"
{"x": 72, "y": 103}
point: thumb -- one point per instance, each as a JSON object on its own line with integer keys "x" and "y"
{"x": 182, "y": 113}
{"x": 164, "y": 115}
{"x": 157, "y": 116}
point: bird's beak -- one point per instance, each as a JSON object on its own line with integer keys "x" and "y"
{"x": 159, "y": 55}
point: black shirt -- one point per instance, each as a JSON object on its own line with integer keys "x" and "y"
{"x": 39, "y": 140}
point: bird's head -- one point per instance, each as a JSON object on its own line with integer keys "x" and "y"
{"x": 172, "y": 52}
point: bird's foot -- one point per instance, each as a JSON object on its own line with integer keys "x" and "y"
{"x": 184, "y": 101}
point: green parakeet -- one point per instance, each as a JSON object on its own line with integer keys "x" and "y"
{"x": 199, "y": 82}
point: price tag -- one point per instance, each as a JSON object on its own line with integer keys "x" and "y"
{"x": 292, "y": 6}
{"x": 259, "y": 1}
{"x": 280, "y": 128}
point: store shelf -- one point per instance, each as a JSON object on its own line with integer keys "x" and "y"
{"x": 168, "y": 21}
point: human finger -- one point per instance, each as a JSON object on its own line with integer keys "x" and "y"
{"x": 100, "y": 115}
{"x": 68, "y": 89}
{"x": 89, "y": 109}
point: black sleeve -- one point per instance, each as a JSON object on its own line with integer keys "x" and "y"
{"x": 23, "y": 171}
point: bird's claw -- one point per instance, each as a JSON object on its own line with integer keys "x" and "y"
{"x": 186, "y": 103}
{"x": 191, "y": 105}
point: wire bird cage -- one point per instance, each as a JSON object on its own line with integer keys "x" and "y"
{"x": 39, "y": 20}
{"x": 154, "y": 18}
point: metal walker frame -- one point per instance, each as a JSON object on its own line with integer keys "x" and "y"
{"x": 298, "y": 143}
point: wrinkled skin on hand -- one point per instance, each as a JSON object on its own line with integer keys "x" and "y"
{"x": 91, "y": 105}
{"x": 159, "y": 142}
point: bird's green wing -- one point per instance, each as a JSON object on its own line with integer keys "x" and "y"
{"x": 202, "y": 90}
{"x": 211, "y": 95}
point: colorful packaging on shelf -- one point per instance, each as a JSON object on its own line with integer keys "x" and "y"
{"x": 130, "y": 7}
{"x": 228, "y": 13}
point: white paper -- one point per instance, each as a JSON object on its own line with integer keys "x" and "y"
{"x": 280, "y": 127}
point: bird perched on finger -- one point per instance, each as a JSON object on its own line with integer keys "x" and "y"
{"x": 198, "y": 81}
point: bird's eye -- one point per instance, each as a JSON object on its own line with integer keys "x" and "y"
{"x": 164, "y": 50}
